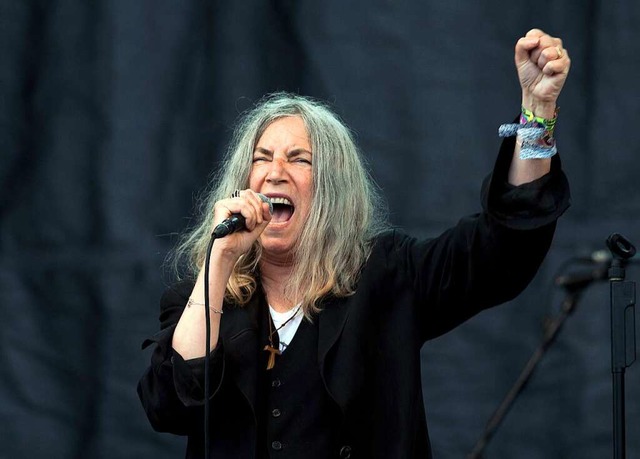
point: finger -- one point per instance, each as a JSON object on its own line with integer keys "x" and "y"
{"x": 523, "y": 48}
{"x": 555, "y": 66}
{"x": 552, "y": 53}
{"x": 546, "y": 41}
{"x": 546, "y": 55}
{"x": 561, "y": 51}
{"x": 535, "y": 33}
{"x": 249, "y": 213}
{"x": 226, "y": 207}
{"x": 266, "y": 218}
{"x": 265, "y": 210}
{"x": 253, "y": 206}
{"x": 262, "y": 208}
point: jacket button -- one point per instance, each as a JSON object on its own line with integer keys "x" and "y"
{"x": 276, "y": 445}
{"x": 276, "y": 413}
{"x": 345, "y": 452}
{"x": 275, "y": 383}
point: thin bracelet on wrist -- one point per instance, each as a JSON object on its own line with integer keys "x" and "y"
{"x": 193, "y": 302}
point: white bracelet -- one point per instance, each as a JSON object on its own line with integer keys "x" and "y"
{"x": 193, "y": 302}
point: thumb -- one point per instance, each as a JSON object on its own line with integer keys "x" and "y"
{"x": 523, "y": 47}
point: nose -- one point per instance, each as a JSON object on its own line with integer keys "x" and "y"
{"x": 277, "y": 172}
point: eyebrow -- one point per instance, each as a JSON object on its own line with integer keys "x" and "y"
{"x": 290, "y": 154}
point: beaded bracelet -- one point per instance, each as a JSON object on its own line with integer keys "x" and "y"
{"x": 192, "y": 302}
{"x": 535, "y": 134}
{"x": 549, "y": 124}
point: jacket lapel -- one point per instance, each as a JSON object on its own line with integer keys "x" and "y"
{"x": 240, "y": 326}
{"x": 331, "y": 321}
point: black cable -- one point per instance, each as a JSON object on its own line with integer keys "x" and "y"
{"x": 207, "y": 315}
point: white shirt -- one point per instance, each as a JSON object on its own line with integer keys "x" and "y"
{"x": 286, "y": 333}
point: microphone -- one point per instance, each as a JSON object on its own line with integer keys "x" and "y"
{"x": 597, "y": 256}
{"x": 236, "y": 221}
{"x": 577, "y": 280}
{"x": 602, "y": 260}
{"x": 581, "y": 279}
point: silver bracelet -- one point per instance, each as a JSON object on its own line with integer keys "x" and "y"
{"x": 192, "y": 302}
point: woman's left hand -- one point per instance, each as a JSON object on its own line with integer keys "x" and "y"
{"x": 543, "y": 65}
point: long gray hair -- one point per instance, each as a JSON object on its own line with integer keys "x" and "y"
{"x": 346, "y": 211}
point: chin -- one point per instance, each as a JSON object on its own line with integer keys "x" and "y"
{"x": 276, "y": 246}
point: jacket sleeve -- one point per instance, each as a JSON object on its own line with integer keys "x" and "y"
{"x": 172, "y": 389}
{"x": 487, "y": 258}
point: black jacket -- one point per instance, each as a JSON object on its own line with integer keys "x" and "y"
{"x": 369, "y": 343}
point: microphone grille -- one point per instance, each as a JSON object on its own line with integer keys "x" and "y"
{"x": 268, "y": 201}
{"x": 601, "y": 256}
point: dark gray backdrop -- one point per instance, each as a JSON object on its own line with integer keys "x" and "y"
{"x": 113, "y": 113}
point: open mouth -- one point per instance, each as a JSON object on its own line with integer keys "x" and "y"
{"x": 282, "y": 210}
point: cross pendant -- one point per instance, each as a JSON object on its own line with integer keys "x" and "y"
{"x": 272, "y": 356}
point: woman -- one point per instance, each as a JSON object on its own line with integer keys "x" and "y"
{"x": 319, "y": 311}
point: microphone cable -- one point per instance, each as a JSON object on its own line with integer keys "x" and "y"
{"x": 228, "y": 226}
{"x": 207, "y": 316}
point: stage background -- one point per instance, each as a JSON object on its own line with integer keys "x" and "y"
{"x": 114, "y": 112}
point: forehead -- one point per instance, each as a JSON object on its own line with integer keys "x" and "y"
{"x": 285, "y": 132}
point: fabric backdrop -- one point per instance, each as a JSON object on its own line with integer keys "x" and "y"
{"x": 113, "y": 114}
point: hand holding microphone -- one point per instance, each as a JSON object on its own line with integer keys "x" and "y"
{"x": 244, "y": 214}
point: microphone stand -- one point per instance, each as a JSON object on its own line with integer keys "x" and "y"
{"x": 552, "y": 329}
{"x": 622, "y": 341}
{"x": 623, "y": 338}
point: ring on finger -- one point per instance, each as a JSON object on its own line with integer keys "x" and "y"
{"x": 235, "y": 194}
{"x": 560, "y": 52}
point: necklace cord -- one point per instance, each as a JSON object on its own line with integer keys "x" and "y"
{"x": 273, "y": 332}
{"x": 270, "y": 348}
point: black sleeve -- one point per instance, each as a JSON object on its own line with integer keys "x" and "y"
{"x": 487, "y": 258}
{"x": 171, "y": 389}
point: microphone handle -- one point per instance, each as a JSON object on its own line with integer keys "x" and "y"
{"x": 582, "y": 279}
{"x": 229, "y": 225}
{"x": 236, "y": 222}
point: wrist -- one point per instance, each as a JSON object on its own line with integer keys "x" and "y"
{"x": 223, "y": 255}
{"x": 541, "y": 108}
{"x": 221, "y": 263}
{"x": 192, "y": 302}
